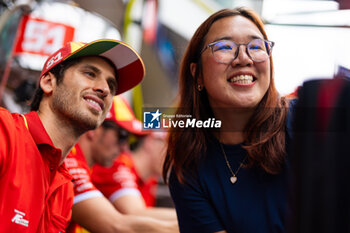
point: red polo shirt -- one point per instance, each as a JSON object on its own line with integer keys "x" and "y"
{"x": 122, "y": 179}
{"x": 36, "y": 193}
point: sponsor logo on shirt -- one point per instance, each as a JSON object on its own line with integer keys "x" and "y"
{"x": 125, "y": 177}
{"x": 71, "y": 162}
{"x": 18, "y": 218}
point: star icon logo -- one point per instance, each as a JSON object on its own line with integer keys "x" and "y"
{"x": 156, "y": 115}
{"x": 151, "y": 119}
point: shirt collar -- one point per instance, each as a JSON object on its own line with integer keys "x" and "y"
{"x": 37, "y": 130}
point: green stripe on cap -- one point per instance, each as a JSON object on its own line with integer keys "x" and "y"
{"x": 94, "y": 49}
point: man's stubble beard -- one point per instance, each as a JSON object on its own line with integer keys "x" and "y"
{"x": 72, "y": 113}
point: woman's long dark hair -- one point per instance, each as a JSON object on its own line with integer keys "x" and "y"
{"x": 264, "y": 135}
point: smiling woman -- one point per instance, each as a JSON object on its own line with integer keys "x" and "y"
{"x": 232, "y": 179}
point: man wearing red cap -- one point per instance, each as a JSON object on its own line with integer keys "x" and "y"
{"x": 91, "y": 209}
{"x": 131, "y": 182}
{"x": 75, "y": 93}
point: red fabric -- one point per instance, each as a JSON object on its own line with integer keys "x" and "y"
{"x": 36, "y": 193}
{"x": 122, "y": 114}
{"x": 79, "y": 169}
{"x": 122, "y": 176}
{"x": 83, "y": 187}
{"x": 326, "y": 100}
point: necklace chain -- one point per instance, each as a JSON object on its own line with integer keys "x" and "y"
{"x": 233, "y": 178}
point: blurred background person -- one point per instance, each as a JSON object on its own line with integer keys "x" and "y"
{"x": 320, "y": 161}
{"x": 130, "y": 184}
{"x": 91, "y": 210}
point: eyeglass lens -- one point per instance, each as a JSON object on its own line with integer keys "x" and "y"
{"x": 225, "y": 51}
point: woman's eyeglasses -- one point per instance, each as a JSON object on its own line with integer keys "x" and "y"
{"x": 225, "y": 51}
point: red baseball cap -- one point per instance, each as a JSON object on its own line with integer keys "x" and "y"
{"x": 122, "y": 114}
{"x": 128, "y": 63}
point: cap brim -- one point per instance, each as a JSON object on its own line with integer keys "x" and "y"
{"x": 128, "y": 63}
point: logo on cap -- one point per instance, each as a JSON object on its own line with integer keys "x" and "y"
{"x": 53, "y": 60}
{"x": 151, "y": 120}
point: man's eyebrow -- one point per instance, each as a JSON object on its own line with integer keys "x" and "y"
{"x": 93, "y": 68}
{"x": 113, "y": 80}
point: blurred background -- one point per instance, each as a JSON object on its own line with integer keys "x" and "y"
{"x": 312, "y": 39}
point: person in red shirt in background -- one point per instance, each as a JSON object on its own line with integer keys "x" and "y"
{"x": 91, "y": 210}
{"x": 75, "y": 93}
{"x": 130, "y": 184}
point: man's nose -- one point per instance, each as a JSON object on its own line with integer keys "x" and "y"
{"x": 102, "y": 87}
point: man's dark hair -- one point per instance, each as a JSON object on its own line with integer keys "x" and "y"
{"x": 123, "y": 135}
{"x": 58, "y": 71}
{"x": 108, "y": 124}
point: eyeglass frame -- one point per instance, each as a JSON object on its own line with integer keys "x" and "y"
{"x": 271, "y": 43}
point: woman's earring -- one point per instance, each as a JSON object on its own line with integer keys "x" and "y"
{"x": 199, "y": 87}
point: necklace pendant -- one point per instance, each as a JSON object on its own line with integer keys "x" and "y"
{"x": 233, "y": 179}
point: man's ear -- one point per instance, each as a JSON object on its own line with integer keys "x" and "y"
{"x": 148, "y": 142}
{"x": 193, "y": 68}
{"x": 91, "y": 134}
{"x": 48, "y": 83}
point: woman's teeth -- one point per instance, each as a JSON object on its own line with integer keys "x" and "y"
{"x": 242, "y": 79}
